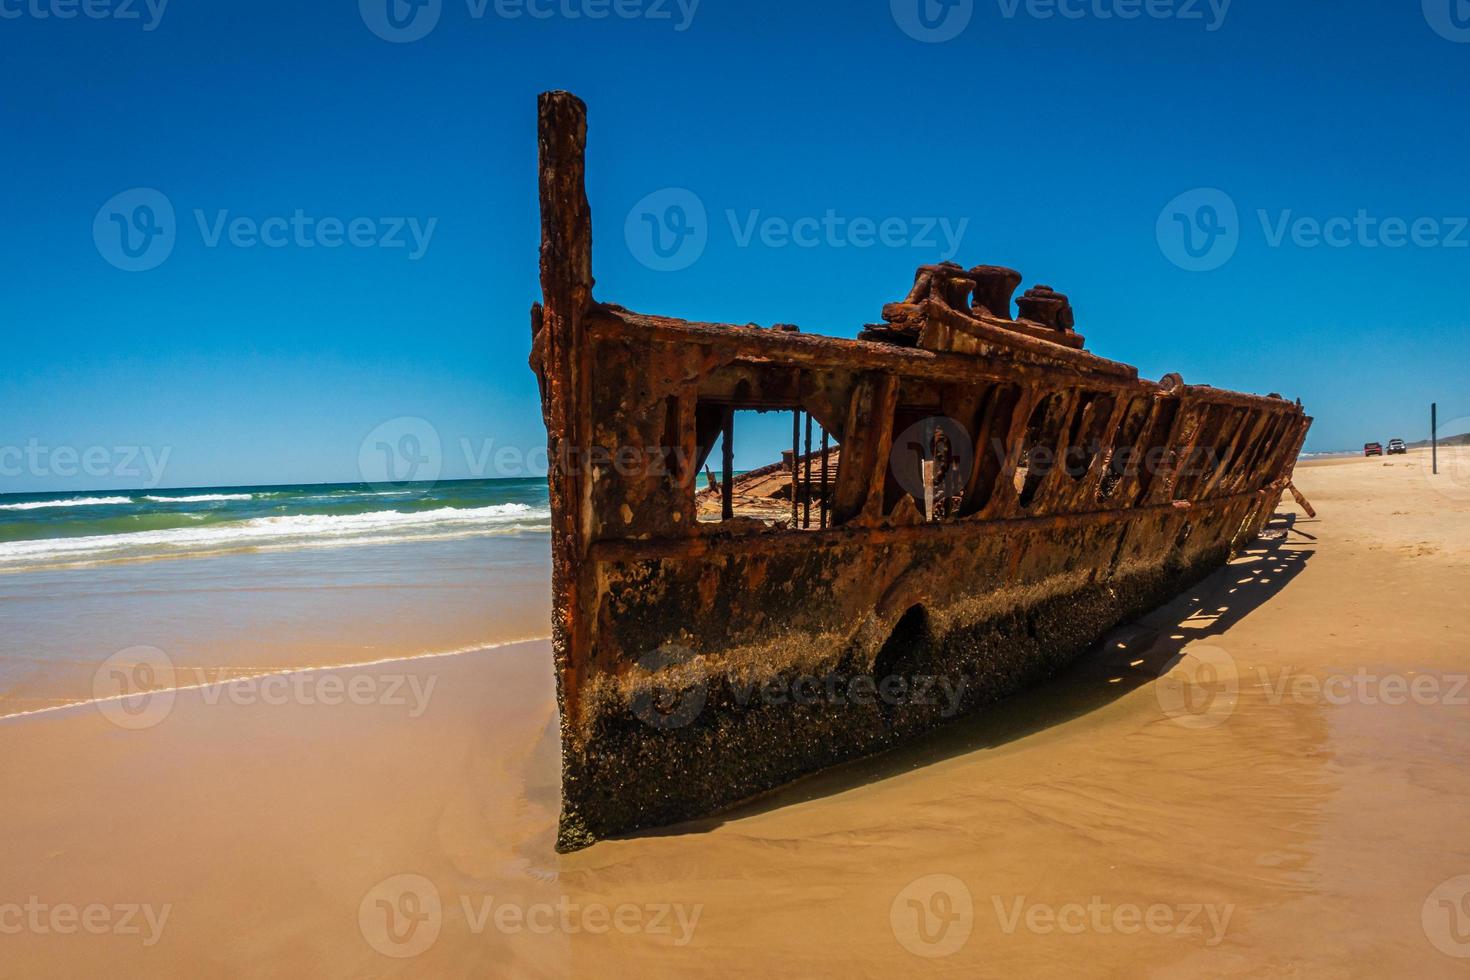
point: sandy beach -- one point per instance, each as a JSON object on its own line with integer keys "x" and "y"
{"x": 1265, "y": 777}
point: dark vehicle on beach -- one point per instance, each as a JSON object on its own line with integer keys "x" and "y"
{"x": 1373, "y": 449}
{"x": 1397, "y": 447}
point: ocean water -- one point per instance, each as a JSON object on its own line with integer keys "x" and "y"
{"x": 70, "y": 530}
{"x": 235, "y": 582}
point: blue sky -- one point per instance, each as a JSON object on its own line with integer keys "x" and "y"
{"x": 1056, "y": 143}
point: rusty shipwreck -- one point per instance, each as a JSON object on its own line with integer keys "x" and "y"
{"x": 969, "y": 496}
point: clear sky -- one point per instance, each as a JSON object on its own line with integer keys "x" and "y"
{"x": 1057, "y": 138}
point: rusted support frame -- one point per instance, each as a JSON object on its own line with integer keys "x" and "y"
{"x": 826, "y": 450}
{"x": 615, "y": 551}
{"x": 862, "y": 474}
{"x": 1005, "y": 501}
{"x": 795, "y": 462}
{"x": 1092, "y": 482}
{"x": 806, "y": 488}
{"x": 809, "y": 351}
{"x": 727, "y": 452}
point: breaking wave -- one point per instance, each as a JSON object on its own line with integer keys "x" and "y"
{"x": 203, "y": 498}
{"x": 74, "y": 502}
{"x": 284, "y": 532}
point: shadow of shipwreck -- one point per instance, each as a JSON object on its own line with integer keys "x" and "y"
{"x": 1131, "y": 656}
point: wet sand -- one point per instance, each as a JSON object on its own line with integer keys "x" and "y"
{"x": 1246, "y": 783}
{"x": 215, "y": 618}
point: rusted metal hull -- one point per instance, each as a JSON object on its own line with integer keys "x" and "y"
{"x": 702, "y": 661}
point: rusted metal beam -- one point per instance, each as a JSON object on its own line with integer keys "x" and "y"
{"x": 618, "y": 550}
{"x": 566, "y": 288}
{"x": 728, "y": 454}
{"x": 1301, "y": 500}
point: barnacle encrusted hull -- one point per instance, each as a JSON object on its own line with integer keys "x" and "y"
{"x": 969, "y": 502}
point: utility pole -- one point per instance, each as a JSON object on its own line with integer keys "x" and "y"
{"x": 1434, "y": 435}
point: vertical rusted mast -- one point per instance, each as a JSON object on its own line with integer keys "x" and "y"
{"x": 566, "y": 287}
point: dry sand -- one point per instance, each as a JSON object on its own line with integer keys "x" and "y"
{"x": 1200, "y": 797}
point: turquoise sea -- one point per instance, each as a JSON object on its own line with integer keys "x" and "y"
{"x": 239, "y": 581}
{"x": 66, "y": 530}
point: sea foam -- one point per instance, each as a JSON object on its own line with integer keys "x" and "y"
{"x": 203, "y": 498}
{"x": 277, "y": 533}
{"x": 74, "y": 502}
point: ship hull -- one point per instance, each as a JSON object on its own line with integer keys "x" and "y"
{"x": 787, "y": 702}
{"x": 1001, "y": 499}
